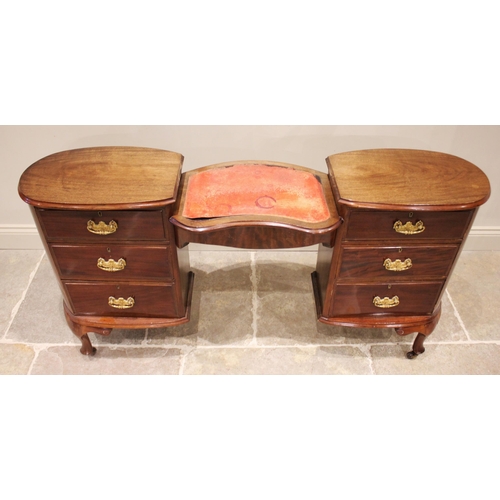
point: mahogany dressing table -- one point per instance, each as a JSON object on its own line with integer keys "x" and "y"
{"x": 116, "y": 223}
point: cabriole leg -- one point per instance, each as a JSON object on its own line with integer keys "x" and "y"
{"x": 81, "y": 332}
{"x": 418, "y": 346}
{"x": 87, "y": 347}
{"x": 423, "y": 331}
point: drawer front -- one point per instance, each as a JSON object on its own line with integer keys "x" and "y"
{"x": 364, "y": 225}
{"x": 113, "y": 262}
{"x": 130, "y": 225}
{"x": 414, "y": 299}
{"x": 148, "y": 300}
{"x": 397, "y": 263}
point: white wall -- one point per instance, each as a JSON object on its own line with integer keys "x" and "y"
{"x": 20, "y": 146}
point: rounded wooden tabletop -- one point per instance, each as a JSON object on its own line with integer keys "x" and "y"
{"x": 407, "y": 179}
{"x": 111, "y": 177}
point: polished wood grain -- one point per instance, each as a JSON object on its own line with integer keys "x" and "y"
{"x": 254, "y": 236}
{"x": 133, "y": 225}
{"x": 82, "y": 325}
{"x": 379, "y": 225}
{"x": 151, "y": 299}
{"x": 403, "y": 324}
{"x": 408, "y": 179}
{"x": 103, "y": 177}
{"x": 164, "y": 300}
{"x": 415, "y": 298}
{"x": 145, "y": 262}
{"x": 367, "y": 262}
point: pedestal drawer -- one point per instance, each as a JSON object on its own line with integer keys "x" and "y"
{"x": 364, "y": 225}
{"x": 397, "y": 263}
{"x": 120, "y": 225}
{"x": 113, "y": 262}
{"x": 401, "y": 298}
{"x": 148, "y": 300}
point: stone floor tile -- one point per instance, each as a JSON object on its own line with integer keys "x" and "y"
{"x": 286, "y": 310}
{"x": 65, "y": 360}
{"x": 40, "y": 318}
{"x": 449, "y": 328}
{"x": 286, "y": 313}
{"x": 286, "y": 317}
{"x": 15, "y": 359}
{"x": 221, "y": 309}
{"x": 277, "y": 361}
{"x": 222, "y": 271}
{"x": 475, "y": 290}
{"x": 438, "y": 359}
{"x": 285, "y": 273}
{"x": 16, "y": 267}
{"x": 217, "y": 318}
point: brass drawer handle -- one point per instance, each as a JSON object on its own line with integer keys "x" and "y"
{"x": 102, "y": 227}
{"x": 110, "y": 265}
{"x": 397, "y": 265}
{"x": 409, "y": 228}
{"x": 386, "y": 302}
{"x": 121, "y": 303}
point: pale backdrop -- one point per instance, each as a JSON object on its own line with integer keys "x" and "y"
{"x": 308, "y": 146}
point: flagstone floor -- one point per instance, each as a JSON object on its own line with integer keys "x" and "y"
{"x": 252, "y": 313}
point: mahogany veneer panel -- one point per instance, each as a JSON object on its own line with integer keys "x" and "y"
{"x": 418, "y": 298}
{"x": 368, "y": 262}
{"x": 151, "y": 300}
{"x": 364, "y": 225}
{"x": 263, "y": 237}
{"x": 407, "y": 178}
{"x": 142, "y": 262}
{"x": 133, "y": 225}
{"x": 114, "y": 177}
